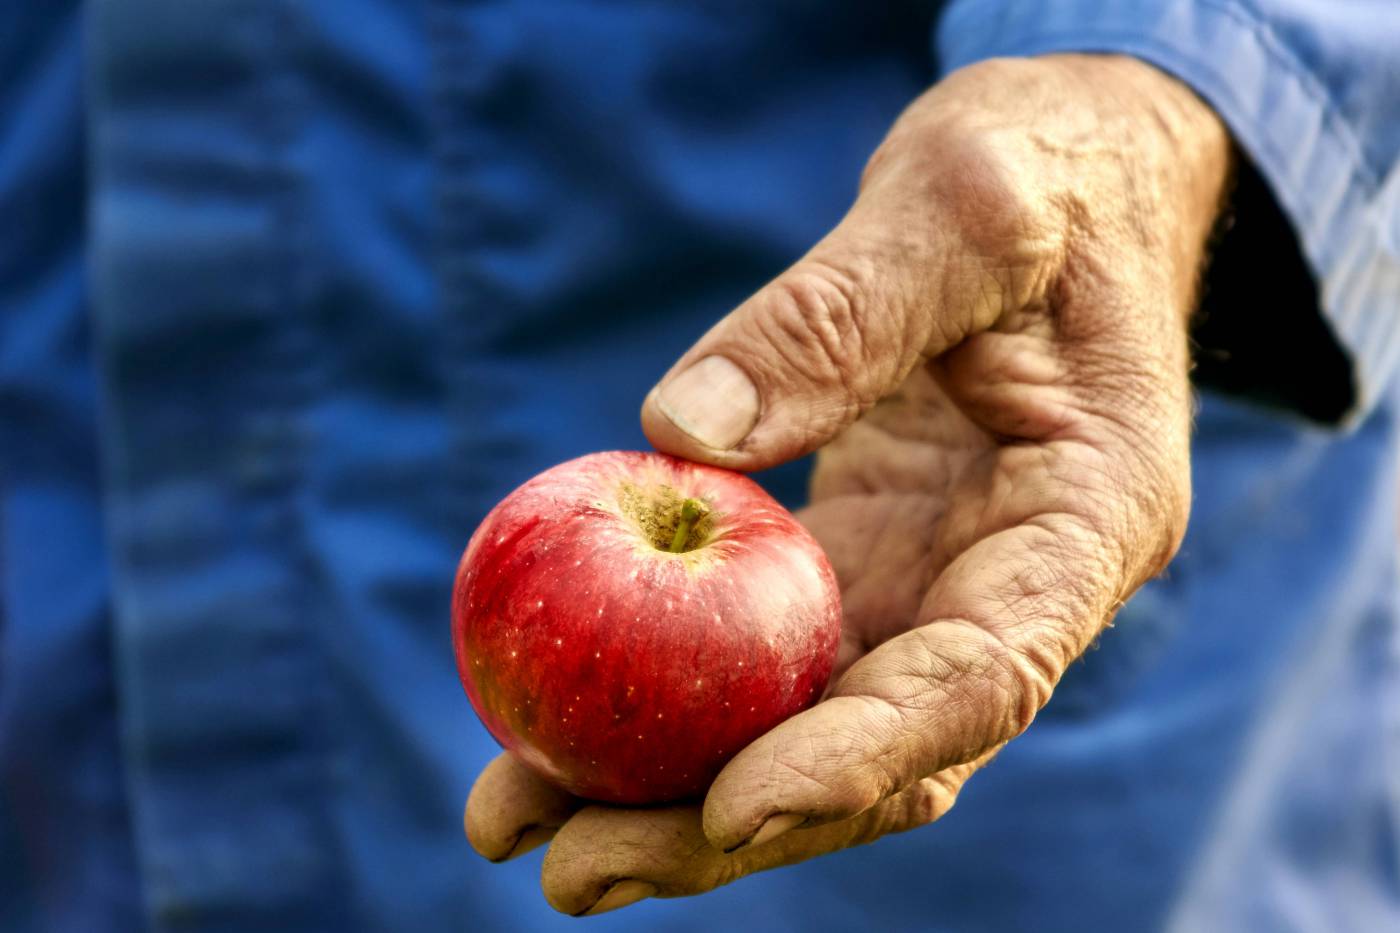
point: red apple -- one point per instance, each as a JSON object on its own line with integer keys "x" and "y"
{"x": 626, "y": 622}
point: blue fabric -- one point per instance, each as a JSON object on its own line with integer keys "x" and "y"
{"x": 291, "y": 293}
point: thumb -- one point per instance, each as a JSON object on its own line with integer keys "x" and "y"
{"x": 815, "y": 348}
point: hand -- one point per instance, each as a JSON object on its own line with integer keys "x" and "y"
{"x": 990, "y": 353}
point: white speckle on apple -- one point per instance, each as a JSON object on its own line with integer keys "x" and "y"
{"x": 558, "y": 641}
{"x": 514, "y": 653}
{"x": 539, "y": 604}
{"x": 600, "y": 610}
{"x": 596, "y": 654}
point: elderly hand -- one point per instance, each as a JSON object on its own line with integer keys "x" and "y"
{"x": 990, "y": 354}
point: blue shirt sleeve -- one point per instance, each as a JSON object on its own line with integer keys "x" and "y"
{"x": 1311, "y": 91}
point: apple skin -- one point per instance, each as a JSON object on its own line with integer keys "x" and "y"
{"x": 623, "y": 672}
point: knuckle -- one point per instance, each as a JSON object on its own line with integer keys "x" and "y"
{"x": 1017, "y": 683}
{"x": 928, "y": 800}
{"x": 1000, "y": 684}
{"x": 919, "y": 804}
{"x": 977, "y": 190}
{"x": 817, "y": 320}
{"x": 1054, "y": 600}
{"x": 1025, "y": 678}
{"x": 990, "y": 198}
{"x": 971, "y": 169}
{"x": 978, "y": 686}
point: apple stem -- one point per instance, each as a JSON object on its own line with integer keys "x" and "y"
{"x": 692, "y": 510}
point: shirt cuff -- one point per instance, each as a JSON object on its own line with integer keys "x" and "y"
{"x": 1347, "y": 219}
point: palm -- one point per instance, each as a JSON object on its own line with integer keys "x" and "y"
{"x": 893, "y": 500}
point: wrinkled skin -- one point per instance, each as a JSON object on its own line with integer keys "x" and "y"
{"x": 990, "y": 354}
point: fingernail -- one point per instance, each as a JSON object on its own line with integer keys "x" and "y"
{"x": 529, "y": 840}
{"x": 772, "y": 828}
{"x": 713, "y": 401}
{"x": 620, "y": 895}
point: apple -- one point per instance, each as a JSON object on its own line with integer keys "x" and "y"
{"x": 624, "y": 623}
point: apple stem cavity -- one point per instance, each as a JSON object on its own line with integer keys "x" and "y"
{"x": 692, "y": 510}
